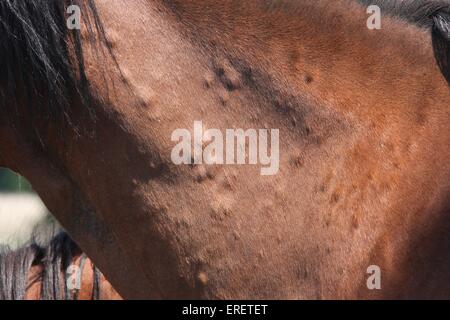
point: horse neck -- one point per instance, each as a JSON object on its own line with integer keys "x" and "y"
{"x": 320, "y": 48}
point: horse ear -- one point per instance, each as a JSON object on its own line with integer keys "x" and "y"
{"x": 441, "y": 41}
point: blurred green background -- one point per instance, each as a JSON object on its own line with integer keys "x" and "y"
{"x": 11, "y": 182}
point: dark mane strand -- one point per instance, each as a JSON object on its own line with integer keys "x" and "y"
{"x": 441, "y": 42}
{"x": 36, "y": 67}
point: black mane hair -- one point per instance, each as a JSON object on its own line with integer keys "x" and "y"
{"x": 35, "y": 59}
{"x": 433, "y": 15}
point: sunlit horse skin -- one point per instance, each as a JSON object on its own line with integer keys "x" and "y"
{"x": 364, "y": 148}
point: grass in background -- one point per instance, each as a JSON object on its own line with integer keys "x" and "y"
{"x": 12, "y": 182}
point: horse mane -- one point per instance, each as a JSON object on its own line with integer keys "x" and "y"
{"x": 14, "y": 268}
{"x": 41, "y": 58}
{"x": 56, "y": 257}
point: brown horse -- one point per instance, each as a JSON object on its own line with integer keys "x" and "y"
{"x": 363, "y": 118}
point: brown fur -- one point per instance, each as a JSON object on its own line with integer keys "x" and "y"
{"x": 364, "y": 173}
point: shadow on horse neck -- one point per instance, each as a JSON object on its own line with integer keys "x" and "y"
{"x": 363, "y": 116}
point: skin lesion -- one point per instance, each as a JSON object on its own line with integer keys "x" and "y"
{"x": 228, "y": 75}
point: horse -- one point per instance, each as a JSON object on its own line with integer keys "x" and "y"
{"x": 44, "y": 274}
{"x": 88, "y": 116}
{"x": 39, "y": 261}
